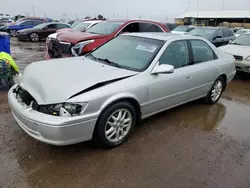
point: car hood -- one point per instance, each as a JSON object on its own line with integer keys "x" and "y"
{"x": 55, "y": 81}
{"x": 179, "y": 32}
{"x": 75, "y": 37}
{"x": 63, "y": 30}
{"x": 236, "y": 50}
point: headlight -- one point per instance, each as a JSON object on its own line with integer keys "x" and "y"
{"x": 77, "y": 49}
{"x": 248, "y": 58}
{"x": 65, "y": 109}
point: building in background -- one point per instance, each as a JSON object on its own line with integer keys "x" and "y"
{"x": 227, "y": 18}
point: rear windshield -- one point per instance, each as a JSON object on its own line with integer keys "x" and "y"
{"x": 181, "y": 29}
{"x": 105, "y": 28}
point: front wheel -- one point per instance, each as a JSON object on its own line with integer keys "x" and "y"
{"x": 115, "y": 124}
{"x": 216, "y": 91}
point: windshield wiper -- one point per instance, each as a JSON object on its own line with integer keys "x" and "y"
{"x": 109, "y": 62}
{"x": 235, "y": 43}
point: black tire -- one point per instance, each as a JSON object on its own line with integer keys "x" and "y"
{"x": 34, "y": 37}
{"x": 100, "y": 134}
{"x": 209, "y": 99}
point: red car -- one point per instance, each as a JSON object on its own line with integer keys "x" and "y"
{"x": 68, "y": 44}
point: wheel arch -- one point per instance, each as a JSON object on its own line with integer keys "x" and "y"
{"x": 224, "y": 76}
{"x": 121, "y": 98}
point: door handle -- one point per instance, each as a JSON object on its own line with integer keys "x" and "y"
{"x": 188, "y": 77}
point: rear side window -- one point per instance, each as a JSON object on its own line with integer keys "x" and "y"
{"x": 61, "y": 26}
{"x": 149, "y": 27}
{"x": 27, "y": 23}
{"x": 36, "y": 23}
{"x": 157, "y": 28}
{"x": 202, "y": 52}
{"x": 226, "y": 33}
{"x": 131, "y": 28}
{"x": 52, "y": 26}
{"x": 219, "y": 33}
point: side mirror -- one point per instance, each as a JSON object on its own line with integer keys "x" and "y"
{"x": 163, "y": 69}
{"x": 218, "y": 37}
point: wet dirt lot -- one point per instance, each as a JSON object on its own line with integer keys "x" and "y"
{"x": 195, "y": 145}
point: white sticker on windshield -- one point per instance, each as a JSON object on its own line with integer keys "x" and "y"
{"x": 146, "y": 48}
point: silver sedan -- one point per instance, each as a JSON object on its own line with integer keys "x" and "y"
{"x": 103, "y": 95}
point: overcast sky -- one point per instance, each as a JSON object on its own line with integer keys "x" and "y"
{"x": 155, "y": 9}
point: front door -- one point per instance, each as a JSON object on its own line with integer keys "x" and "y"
{"x": 168, "y": 90}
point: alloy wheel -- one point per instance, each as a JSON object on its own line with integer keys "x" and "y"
{"x": 34, "y": 37}
{"x": 118, "y": 125}
{"x": 217, "y": 90}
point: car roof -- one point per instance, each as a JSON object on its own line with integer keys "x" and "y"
{"x": 132, "y": 20}
{"x": 161, "y": 36}
{"x": 93, "y": 21}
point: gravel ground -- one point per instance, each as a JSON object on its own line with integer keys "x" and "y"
{"x": 195, "y": 145}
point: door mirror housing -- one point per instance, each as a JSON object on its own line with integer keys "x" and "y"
{"x": 218, "y": 37}
{"x": 163, "y": 69}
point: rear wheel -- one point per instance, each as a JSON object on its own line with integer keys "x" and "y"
{"x": 13, "y": 33}
{"x": 115, "y": 124}
{"x": 34, "y": 37}
{"x": 216, "y": 91}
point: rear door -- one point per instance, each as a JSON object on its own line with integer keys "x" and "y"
{"x": 205, "y": 66}
{"x": 227, "y": 36}
{"x": 218, "y": 38}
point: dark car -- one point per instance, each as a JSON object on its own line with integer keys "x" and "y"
{"x": 41, "y": 31}
{"x": 13, "y": 29}
{"x": 171, "y": 26}
{"x": 219, "y": 36}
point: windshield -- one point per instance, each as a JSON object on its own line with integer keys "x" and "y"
{"x": 75, "y": 24}
{"x": 133, "y": 53}
{"x": 242, "y": 40}
{"x": 181, "y": 28}
{"x": 105, "y": 28}
{"x": 81, "y": 26}
{"x": 203, "y": 32}
{"x": 241, "y": 32}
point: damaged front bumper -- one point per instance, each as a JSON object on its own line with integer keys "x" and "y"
{"x": 50, "y": 129}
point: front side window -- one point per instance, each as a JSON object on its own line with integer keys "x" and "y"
{"x": 105, "y": 28}
{"x": 128, "y": 52}
{"x": 201, "y": 51}
{"x": 176, "y": 54}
